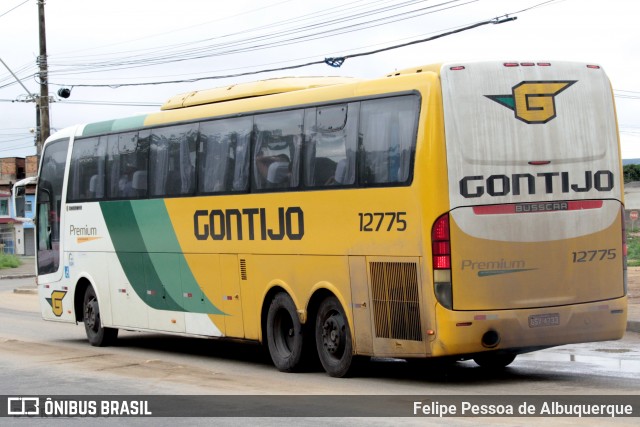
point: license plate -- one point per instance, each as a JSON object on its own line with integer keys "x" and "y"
{"x": 542, "y": 320}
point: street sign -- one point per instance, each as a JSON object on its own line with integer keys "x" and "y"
{"x": 633, "y": 215}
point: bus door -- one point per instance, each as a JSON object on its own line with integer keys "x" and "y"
{"x": 49, "y": 204}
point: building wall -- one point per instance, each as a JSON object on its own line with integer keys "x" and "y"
{"x": 31, "y": 166}
{"x": 12, "y": 169}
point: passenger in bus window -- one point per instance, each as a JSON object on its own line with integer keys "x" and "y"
{"x": 125, "y": 188}
{"x": 274, "y": 171}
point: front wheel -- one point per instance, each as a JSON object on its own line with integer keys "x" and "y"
{"x": 98, "y": 336}
{"x": 333, "y": 338}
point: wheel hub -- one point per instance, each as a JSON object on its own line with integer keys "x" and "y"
{"x": 90, "y": 314}
{"x": 332, "y": 334}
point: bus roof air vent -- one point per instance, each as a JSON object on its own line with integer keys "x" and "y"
{"x": 250, "y": 90}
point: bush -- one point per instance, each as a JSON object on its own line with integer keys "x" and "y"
{"x": 9, "y": 261}
{"x": 633, "y": 250}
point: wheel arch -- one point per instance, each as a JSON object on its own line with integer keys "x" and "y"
{"x": 78, "y": 298}
{"x": 317, "y": 297}
{"x": 266, "y": 302}
{"x": 324, "y": 290}
{"x": 319, "y": 292}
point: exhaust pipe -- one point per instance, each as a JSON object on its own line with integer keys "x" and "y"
{"x": 490, "y": 339}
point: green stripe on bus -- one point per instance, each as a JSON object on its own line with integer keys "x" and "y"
{"x": 114, "y": 125}
{"x": 97, "y": 128}
{"x": 151, "y": 257}
{"x": 129, "y": 123}
{"x": 166, "y": 256}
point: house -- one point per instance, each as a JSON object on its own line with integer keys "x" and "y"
{"x": 23, "y": 209}
{"x": 7, "y": 224}
{"x": 17, "y": 204}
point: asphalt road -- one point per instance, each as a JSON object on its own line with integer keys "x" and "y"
{"x": 47, "y": 358}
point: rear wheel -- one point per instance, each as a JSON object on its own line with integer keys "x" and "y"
{"x": 494, "y": 361}
{"x": 98, "y": 336}
{"x": 285, "y": 335}
{"x": 333, "y": 338}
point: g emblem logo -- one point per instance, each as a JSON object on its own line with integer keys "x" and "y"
{"x": 56, "y": 302}
{"x": 533, "y": 102}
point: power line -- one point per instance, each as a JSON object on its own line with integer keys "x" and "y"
{"x": 164, "y": 33}
{"x": 323, "y": 18}
{"x": 14, "y": 8}
{"x": 16, "y": 139}
{"x": 20, "y": 146}
{"x": 112, "y": 103}
{"x": 306, "y": 32}
{"x": 242, "y": 31}
{"x": 334, "y": 62}
{"x": 626, "y": 94}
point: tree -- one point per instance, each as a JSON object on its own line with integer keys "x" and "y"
{"x": 631, "y": 173}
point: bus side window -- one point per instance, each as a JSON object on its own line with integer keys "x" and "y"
{"x": 223, "y": 155}
{"x": 86, "y": 179}
{"x": 330, "y": 140}
{"x": 276, "y": 156}
{"x": 241, "y": 165}
{"x": 387, "y": 136}
{"x": 127, "y": 153}
{"x": 172, "y": 160}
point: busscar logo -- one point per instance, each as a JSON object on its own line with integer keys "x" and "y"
{"x": 533, "y": 102}
{"x": 56, "y": 302}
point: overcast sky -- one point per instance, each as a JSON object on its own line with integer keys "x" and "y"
{"x": 116, "y": 42}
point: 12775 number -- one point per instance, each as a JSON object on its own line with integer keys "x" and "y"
{"x": 382, "y": 221}
{"x": 594, "y": 255}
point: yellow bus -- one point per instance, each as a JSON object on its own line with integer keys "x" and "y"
{"x": 462, "y": 211}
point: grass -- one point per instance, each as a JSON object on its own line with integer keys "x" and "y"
{"x": 633, "y": 249}
{"x": 9, "y": 261}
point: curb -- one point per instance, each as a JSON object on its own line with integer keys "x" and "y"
{"x": 17, "y": 276}
{"x": 633, "y": 326}
{"x": 25, "y": 291}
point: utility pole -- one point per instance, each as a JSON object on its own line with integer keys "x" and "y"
{"x": 43, "y": 104}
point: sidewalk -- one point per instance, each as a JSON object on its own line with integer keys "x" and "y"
{"x": 27, "y": 269}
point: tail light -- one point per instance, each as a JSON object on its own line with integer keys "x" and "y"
{"x": 441, "y": 257}
{"x": 440, "y": 243}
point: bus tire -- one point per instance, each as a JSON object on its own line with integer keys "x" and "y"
{"x": 98, "y": 335}
{"x": 494, "y": 361}
{"x": 285, "y": 334}
{"x": 333, "y": 338}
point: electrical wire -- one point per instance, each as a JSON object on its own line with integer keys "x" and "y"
{"x": 20, "y": 146}
{"x": 329, "y": 61}
{"x": 626, "y": 94}
{"x": 165, "y": 33}
{"x": 263, "y": 41}
{"x": 14, "y": 8}
{"x": 322, "y": 19}
{"x": 334, "y": 61}
{"x": 112, "y": 103}
{"x": 324, "y": 14}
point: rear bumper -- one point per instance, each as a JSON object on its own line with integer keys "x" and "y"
{"x": 462, "y": 332}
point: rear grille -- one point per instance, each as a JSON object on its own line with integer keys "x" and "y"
{"x": 396, "y": 307}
